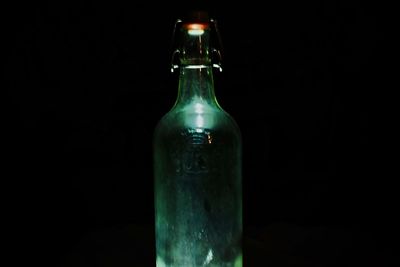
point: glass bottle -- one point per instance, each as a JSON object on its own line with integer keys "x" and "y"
{"x": 197, "y": 163}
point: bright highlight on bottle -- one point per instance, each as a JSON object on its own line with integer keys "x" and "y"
{"x": 196, "y": 29}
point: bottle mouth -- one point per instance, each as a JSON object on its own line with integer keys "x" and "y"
{"x": 195, "y": 28}
{"x": 196, "y": 42}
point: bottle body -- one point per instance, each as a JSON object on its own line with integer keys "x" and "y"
{"x": 197, "y": 164}
{"x": 198, "y": 198}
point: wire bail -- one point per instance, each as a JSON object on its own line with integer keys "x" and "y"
{"x": 215, "y": 48}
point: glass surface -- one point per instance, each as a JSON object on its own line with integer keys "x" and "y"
{"x": 197, "y": 169}
{"x": 198, "y": 189}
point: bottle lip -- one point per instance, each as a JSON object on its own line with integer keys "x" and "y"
{"x": 196, "y": 25}
{"x": 195, "y": 28}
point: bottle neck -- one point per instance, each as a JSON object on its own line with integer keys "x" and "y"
{"x": 196, "y": 85}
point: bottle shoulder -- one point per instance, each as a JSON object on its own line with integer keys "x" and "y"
{"x": 214, "y": 119}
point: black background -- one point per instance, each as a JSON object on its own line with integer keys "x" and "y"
{"x": 88, "y": 81}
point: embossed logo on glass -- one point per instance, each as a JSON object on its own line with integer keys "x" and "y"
{"x": 193, "y": 157}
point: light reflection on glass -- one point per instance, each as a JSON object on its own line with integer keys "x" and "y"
{"x": 196, "y": 29}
